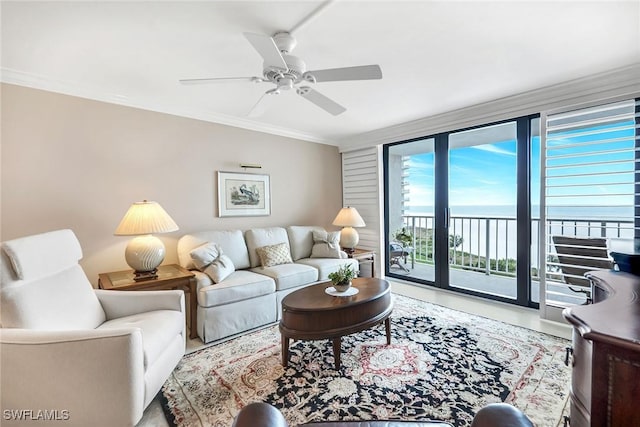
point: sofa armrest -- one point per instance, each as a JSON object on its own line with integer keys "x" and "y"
{"x": 91, "y": 377}
{"x": 501, "y": 415}
{"x": 259, "y": 414}
{"x": 118, "y": 304}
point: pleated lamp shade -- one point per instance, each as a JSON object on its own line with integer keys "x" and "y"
{"x": 349, "y": 217}
{"x": 145, "y": 218}
{"x": 145, "y": 252}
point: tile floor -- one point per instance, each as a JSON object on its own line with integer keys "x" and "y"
{"x": 524, "y": 317}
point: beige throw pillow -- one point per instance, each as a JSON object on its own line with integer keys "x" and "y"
{"x": 205, "y": 254}
{"x": 209, "y": 259}
{"x": 326, "y": 245}
{"x": 220, "y": 269}
{"x": 274, "y": 255}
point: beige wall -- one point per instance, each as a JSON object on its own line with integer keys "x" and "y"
{"x": 68, "y": 162}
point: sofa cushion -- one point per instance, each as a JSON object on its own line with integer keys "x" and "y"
{"x": 289, "y": 275}
{"x": 328, "y": 265}
{"x": 301, "y": 240}
{"x": 274, "y": 255}
{"x": 204, "y": 255}
{"x": 259, "y": 237}
{"x": 158, "y": 327}
{"x": 220, "y": 269}
{"x": 231, "y": 242}
{"x": 325, "y": 245}
{"x": 239, "y": 285}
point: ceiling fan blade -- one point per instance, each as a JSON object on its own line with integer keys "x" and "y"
{"x": 321, "y": 101}
{"x": 261, "y": 106}
{"x": 267, "y": 48}
{"x": 362, "y": 72}
{"x": 220, "y": 80}
{"x": 311, "y": 16}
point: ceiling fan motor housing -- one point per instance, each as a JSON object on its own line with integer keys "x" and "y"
{"x": 295, "y": 69}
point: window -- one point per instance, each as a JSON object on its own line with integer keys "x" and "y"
{"x": 590, "y": 196}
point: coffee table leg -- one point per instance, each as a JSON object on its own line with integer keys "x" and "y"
{"x": 337, "y": 348}
{"x": 387, "y": 327}
{"x": 285, "y": 350}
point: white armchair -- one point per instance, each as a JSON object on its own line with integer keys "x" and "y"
{"x": 74, "y": 354}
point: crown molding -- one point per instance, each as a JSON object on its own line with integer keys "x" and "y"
{"x": 34, "y": 81}
{"x": 609, "y": 85}
{"x": 617, "y": 83}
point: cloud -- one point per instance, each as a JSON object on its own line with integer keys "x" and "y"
{"x": 493, "y": 149}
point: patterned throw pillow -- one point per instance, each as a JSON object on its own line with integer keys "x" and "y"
{"x": 326, "y": 245}
{"x": 274, "y": 255}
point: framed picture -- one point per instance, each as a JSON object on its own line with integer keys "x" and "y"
{"x": 243, "y": 194}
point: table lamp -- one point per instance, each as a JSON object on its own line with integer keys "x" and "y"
{"x": 348, "y": 218}
{"x": 145, "y": 252}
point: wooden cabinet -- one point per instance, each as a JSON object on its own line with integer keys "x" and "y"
{"x": 605, "y": 385}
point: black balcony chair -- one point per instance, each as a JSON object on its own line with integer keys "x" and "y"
{"x": 398, "y": 254}
{"x": 578, "y": 255}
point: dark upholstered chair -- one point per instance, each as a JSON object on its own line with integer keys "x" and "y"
{"x": 578, "y": 255}
{"x": 261, "y": 414}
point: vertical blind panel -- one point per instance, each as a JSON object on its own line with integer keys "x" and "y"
{"x": 360, "y": 189}
{"x": 590, "y": 170}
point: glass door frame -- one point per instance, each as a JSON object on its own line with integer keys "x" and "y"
{"x": 441, "y": 212}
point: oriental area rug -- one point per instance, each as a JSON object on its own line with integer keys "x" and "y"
{"x": 442, "y": 364}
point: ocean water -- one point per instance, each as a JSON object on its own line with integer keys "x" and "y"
{"x": 503, "y": 211}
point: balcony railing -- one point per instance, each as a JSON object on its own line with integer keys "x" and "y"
{"x": 489, "y": 244}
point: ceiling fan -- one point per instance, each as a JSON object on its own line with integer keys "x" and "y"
{"x": 288, "y": 72}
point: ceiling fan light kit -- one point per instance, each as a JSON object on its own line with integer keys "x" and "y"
{"x": 286, "y": 71}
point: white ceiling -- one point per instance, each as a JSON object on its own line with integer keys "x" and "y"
{"x": 435, "y": 56}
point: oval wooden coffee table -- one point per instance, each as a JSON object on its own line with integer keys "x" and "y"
{"x": 311, "y": 314}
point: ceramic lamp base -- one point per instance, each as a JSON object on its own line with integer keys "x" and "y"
{"x": 144, "y": 254}
{"x": 349, "y": 238}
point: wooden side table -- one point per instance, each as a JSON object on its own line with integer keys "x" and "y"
{"x": 367, "y": 261}
{"x": 170, "y": 276}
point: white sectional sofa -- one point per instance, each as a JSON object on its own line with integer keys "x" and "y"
{"x": 251, "y": 295}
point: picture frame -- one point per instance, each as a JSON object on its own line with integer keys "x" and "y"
{"x": 243, "y": 194}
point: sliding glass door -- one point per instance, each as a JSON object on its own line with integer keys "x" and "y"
{"x": 410, "y": 209}
{"x": 458, "y": 210}
{"x": 483, "y": 208}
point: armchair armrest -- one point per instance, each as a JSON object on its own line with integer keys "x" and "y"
{"x": 118, "y": 304}
{"x": 93, "y": 377}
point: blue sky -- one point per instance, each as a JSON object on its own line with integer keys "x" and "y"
{"x": 478, "y": 175}
{"x": 485, "y": 175}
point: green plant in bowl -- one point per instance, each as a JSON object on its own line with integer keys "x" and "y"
{"x": 341, "y": 278}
